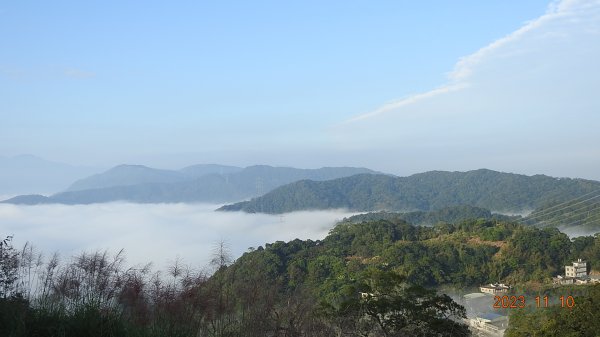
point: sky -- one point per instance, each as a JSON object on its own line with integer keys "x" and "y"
{"x": 397, "y": 86}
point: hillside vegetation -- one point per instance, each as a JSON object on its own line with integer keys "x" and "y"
{"x": 451, "y": 214}
{"x": 496, "y": 191}
{"x": 469, "y": 253}
{"x": 375, "y": 278}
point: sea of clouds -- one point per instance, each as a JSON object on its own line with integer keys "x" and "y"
{"x": 157, "y": 233}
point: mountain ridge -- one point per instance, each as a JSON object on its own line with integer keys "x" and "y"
{"x": 170, "y": 186}
{"x": 126, "y": 175}
{"x": 497, "y": 191}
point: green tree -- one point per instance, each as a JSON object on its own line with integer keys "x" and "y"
{"x": 383, "y": 304}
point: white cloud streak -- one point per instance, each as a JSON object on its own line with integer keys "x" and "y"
{"x": 464, "y": 68}
{"x": 466, "y": 65}
{"x": 408, "y": 101}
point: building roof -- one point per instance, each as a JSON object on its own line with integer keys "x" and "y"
{"x": 491, "y": 316}
{"x": 473, "y": 296}
{"x": 496, "y": 286}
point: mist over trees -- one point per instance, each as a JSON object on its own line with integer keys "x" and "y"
{"x": 95, "y": 294}
{"x": 373, "y": 278}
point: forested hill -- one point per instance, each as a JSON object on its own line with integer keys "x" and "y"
{"x": 469, "y": 253}
{"x": 497, "y": 191}
{"x": 452, "y": 214}
{"x": 332, "y": 274}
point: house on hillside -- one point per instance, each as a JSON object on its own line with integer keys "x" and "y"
{"x": 562, "y": 280}
{"x": 576, "y": 273}
{"x": 495, "y": 288}
{"x": 577, "y": 270}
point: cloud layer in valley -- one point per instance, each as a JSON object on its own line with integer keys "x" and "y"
{"x": 156, "y": 233}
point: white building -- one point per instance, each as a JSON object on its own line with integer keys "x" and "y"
{"x": 495, "y": 288}
{"x": 577, "y": 270}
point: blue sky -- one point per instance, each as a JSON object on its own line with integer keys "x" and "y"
{"x": 392, "y": 85}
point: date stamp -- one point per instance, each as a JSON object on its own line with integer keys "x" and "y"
{"x": 521, "y": 301}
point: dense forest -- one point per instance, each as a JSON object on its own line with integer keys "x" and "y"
{"x": 374, "y": 278}
{"x": 497, "y": 191}
{"x": 470, "y": 253}
{"x": 452, "y": 214}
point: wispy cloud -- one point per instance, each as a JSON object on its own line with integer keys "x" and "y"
{"x": 464, "y": 68}
{"x": 408, "y": 101}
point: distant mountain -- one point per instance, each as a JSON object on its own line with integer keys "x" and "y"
{"x": 128, "y": 175}
{"x": 497, "y": 191}
{"x": 146, "y": 185}
{"x": 28, "y": 174}
{"x": 28, "y": 199}
{"x": 125, "y": 175}
{"x": 196, "y": 171}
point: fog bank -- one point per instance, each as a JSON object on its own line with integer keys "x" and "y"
{"x": 156, "y": 233}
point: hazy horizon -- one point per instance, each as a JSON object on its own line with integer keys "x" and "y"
{"x": 31, "y": 180}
